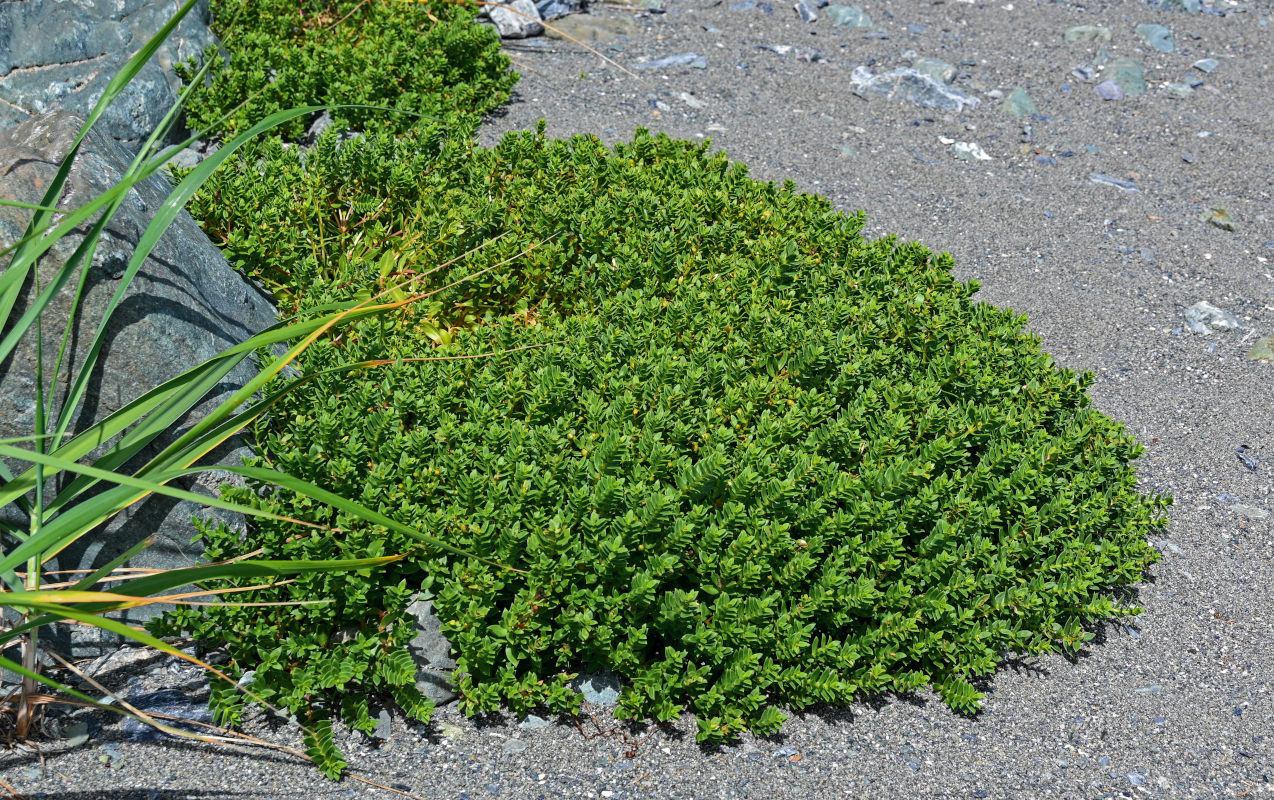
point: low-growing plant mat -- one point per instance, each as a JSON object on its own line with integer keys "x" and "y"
{"x": 741, "y": 456}
{"x": 426, "y": 59}
{"x": 1155, "y": 699}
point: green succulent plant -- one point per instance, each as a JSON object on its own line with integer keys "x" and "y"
{"x": 752, "y": 460}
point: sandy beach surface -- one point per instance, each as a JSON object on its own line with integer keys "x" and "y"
{"x": 1177, "y": 704}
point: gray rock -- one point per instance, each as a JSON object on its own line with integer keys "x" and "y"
{"x": 805, "y": 10}
{"x": 1087, "y": 33}
{"x": 848, "y": 16}
{"x": 911, "y": 86}
{"x": 1206, "y": 64}
{"x": 935, "y": 68}
{"x": 318, "y": 127}
{"x": 166, "y": 701}
{"x": 588, "y": 28}
{"x": 682, "y": 60}
{"x": 1110, "y": 180}
{"x": 432, "y": 653}
{"x": 533, "y": 722}
{"x": 1202, "y": 317}
{"x": 1178, "y": 90}
{"x": 76, "y": 734}
{"x": 187, "y": 158}
{"x": 1245, "y": 459}
{"x": 1109, "y": 90}
{"x": 516, "y": 19}
{"x": 1158, "y": 37}
{"x": 513, "y": 746}
{"x": 61, "y": 55}
{"x": 1188, "y": 6}
{"x": 1250, "y": 512}
{"x": 969, "y": 151}
{"x": 185, "y": 306}
{"x": 1086, "y": 73}
{"x": 384, "y": 726}
{"x": 598, "y": 688}
{"x": 125, "y": 660}
{"x": 555, "y": 9}
{"x": 691, "y": 100}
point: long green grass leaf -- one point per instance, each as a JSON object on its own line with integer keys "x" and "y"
{"x": 164, "y": 217}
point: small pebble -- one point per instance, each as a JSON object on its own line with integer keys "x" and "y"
{"x": 1110, "y": 180}
{"x": 1109, "y": 90}
{"x": 1219, "y": 218}
{"x": 514, "y": 746}
{"x": 533, "y": 722}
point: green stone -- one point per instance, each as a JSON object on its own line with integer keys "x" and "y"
{"x": 1158, "y": 37}
{"x": 848, "y": 16}
{"x": 1019, "y": 104}
{"x": 1178, "y": 90}
{"x": 1219, "y": 217}
{"x": 1188, "y": 6}
{"x": 1263, "y": 350}
{"x": 1087, "y": 33}
{"x": 1128, "y": 73}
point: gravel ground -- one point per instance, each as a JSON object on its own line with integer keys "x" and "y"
{"x": 1178, "y": 705}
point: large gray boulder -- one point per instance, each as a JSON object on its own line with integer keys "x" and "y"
{"x": 185, "y": 306}
{"x": 60, "y": 54}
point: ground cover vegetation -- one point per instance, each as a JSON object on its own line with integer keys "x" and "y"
{"x": 421, "y": 59}
{"x": 68, "y": 478}
{"x": 734, "y": 451}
